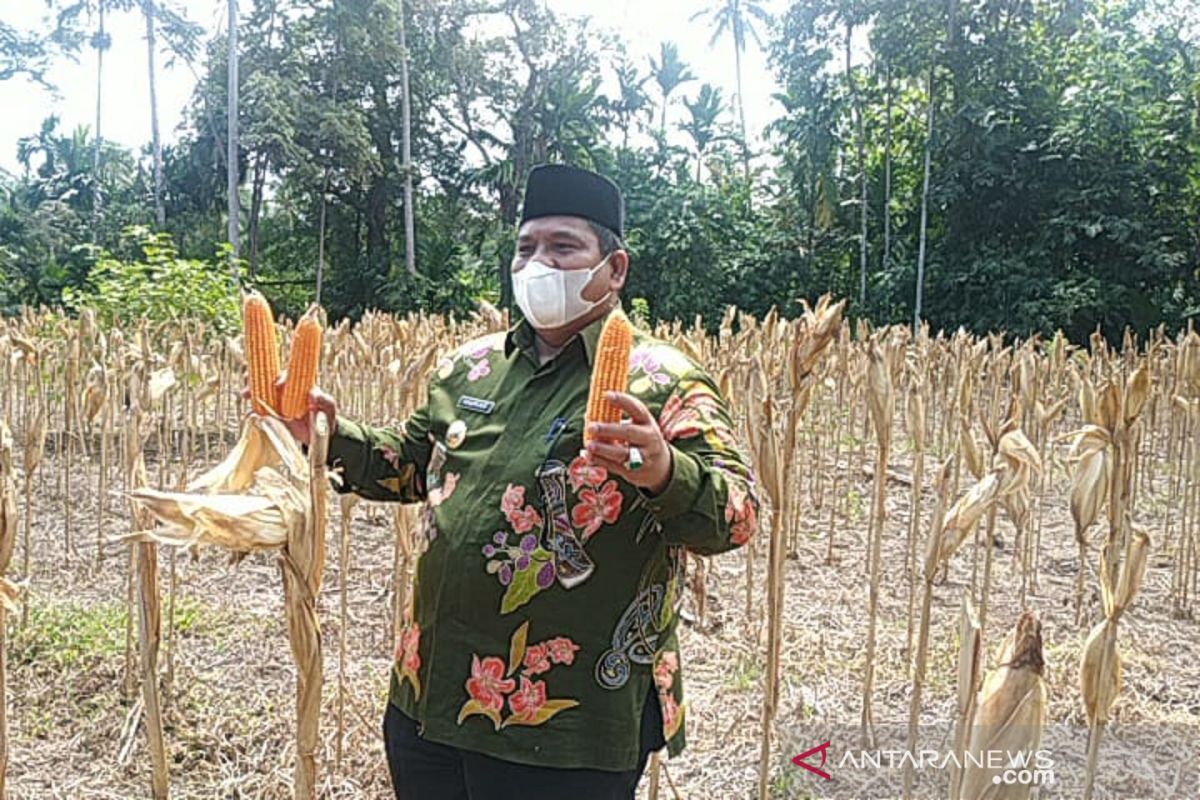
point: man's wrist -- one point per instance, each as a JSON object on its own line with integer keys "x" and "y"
{"x": 661, "y": 486}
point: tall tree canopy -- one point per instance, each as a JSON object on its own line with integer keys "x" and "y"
{"x": 1062, "y": 139}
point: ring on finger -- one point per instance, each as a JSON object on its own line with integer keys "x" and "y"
{"x": 635, "y": 460}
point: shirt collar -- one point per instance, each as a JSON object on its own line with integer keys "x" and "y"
{"x": 521, "y": 337}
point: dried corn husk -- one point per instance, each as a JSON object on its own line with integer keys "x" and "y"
{"x": 971, "y": 451}
{"x": 1100, "y": 672}
{"x": 94, "y": 393}
{"x": 880, "y": 399}
{"x": 1009, "y": 715}
{"x": 1132, "y": 572}
{"x": 250, "y": 501}
{"x": 1137, "y": 392}
{"x": 1089, "y": 484}
{"x": 9, "y": 592}
{"x": 965, "y": 514}
{"x": 969, "y": 664}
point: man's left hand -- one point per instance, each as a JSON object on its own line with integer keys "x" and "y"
{"x": 610, "y": 447}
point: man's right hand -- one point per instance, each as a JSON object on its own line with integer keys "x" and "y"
{"x": 318, "y": 400}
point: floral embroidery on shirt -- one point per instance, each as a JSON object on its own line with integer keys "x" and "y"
{"x": 580, "y": 473}
{"x": 492, "y": 682}
{"x": 474, "y": 354}
{"x": 481, "y": 369}
{"x": 562, "y": 650}
{"x": 740, "y": 512}
{"x": 487, "y": 687}
{"x": 666, "y": 668}
{"x": 537, "y": 659}
{"x": 644, "y": 360}
{"x": 694, "y": 410}
{"x": 525, "y": 568}
{"x": 408, "y": 657}
{"x": 596, "y": 508}
{"x": 521, "y": 516}
{"x": 652, "y": 365}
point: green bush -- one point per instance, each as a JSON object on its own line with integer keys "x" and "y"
{"x": 155, "y": 284}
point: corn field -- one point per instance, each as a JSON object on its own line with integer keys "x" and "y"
{"x": 956, "y": 530}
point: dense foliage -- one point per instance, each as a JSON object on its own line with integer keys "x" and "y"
{"x": 1062, "y": 138}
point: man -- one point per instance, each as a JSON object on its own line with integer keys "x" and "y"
{"x": 540, "y": 658}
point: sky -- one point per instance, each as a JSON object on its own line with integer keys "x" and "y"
{"x": 642, "y": 24}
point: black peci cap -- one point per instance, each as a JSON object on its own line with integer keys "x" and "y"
{"x": 554, "y": 189}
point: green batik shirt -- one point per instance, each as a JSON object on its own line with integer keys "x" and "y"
{"x": 547, "y": 596}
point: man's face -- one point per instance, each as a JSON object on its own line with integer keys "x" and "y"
{"x": 569, "y": 243}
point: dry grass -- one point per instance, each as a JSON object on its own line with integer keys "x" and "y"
{"x": 228, "y": 703}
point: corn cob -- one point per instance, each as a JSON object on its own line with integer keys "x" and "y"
{"x": 610, "y": 371}
{"x": 303, "y": 364}
{"x": 1010, "y": 713}
{"x": 262, "y": 351}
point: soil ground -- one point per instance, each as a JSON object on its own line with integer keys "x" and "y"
{"x": 74, "y": 731}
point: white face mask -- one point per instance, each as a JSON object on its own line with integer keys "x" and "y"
{"x": 551, "y": 298}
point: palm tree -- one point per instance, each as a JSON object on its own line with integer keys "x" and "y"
{"x": 160, "y": 210}
{"x": 231, "y": 142}
{"x": 669, "y": 73}
{"x": 182, "y": 39}
{"x": 856, "y": 106}
{"x": 734, "y": 16}
{"x": 929, "y": 133}
{"x": 410, "y": 245}
{"x": 704, "y": 111}
{"x": 632, "y": 99}
{"x": 101, "y": 41}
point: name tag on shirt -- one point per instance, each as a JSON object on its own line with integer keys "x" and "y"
{"x": 476, "y": 404}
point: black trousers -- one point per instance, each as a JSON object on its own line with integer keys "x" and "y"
{"x": 424, "y": 770}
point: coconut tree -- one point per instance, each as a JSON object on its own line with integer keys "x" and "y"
{"x": 669, "y": 73}
{"x": 101, "y": 41}
{"x": 736, "y": 17}
{"x": 410, "y": 246}
{"x": 231, "y": 142}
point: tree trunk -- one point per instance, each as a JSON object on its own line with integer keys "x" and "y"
{"x": 924, "y": 203}
{"x": 160, "y": 210}
{"x": 231, "y": 156}
{"x": 410, "y": 245}
{"x": 257, "y": 186}
{"x": 737, "y": 68}
{"x": 862, "y": 174}
{"x": 321, "y": 236}
{"x": 887, "y": 175}
{"x": 97, "y": 213}
{"x": 379, "y": 194}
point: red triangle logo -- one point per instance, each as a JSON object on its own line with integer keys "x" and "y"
{"x": 800, "y": 762}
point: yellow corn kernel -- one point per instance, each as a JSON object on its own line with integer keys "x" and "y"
{"x": 262, "y": 351}
{"x": 610, "y": 371}
{"x": 303, "y": 364}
